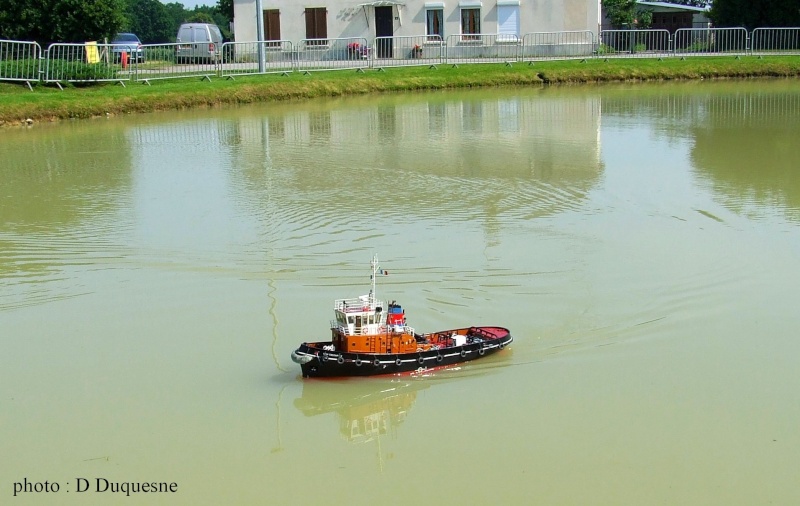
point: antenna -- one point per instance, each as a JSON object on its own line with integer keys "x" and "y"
{"x": 374, "y": 265}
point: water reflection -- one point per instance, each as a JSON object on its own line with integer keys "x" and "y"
{"x": 62, "y": 189}
{"x": 367, "y": 411}
{"x": 743, "y": 135}
{"x": 470, "y": 159}
{"x": 62, "y": 177}
{"x": 115, "y": 192}
{"x": 747, "y": 149}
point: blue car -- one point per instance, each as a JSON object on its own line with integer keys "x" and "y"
{"x": 128, "y": 43}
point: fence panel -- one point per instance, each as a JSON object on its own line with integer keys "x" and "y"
{"x": 86, "y": 63}
{"x": 20, "y": 61}
{"x": 634, "y": 44}
{"x": 411, "y": 50}
{"x": 775, "y": 41}
{"x": 557, "y": 45}
{"x": 482, "y": 48}
{"x": 265, "y": 57}
{"x": 710, "y": 41}
{"x": 172, "y": 61}
{"x": 333, "y": 54}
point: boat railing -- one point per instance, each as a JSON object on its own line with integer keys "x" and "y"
{"x": 344, "y": 330}
{"x": 357, "y": 304}
{"x": 405, "y": 329}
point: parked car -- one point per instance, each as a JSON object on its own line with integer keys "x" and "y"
{"x": 198, "y": 41}
{"x": 127, "y": 43}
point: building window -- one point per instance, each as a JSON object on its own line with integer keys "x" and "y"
{"x": 470, "y": 23}
{"x": 435, "y": 26}
{"x": 507, "y": 22}
{"x": 317, "y": 26}
{"x": 272, "y": 25}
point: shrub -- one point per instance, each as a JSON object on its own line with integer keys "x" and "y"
{"x": 605, "y": 49}
{"x": 65, "y": 70}
{"x": 27, "y": 68}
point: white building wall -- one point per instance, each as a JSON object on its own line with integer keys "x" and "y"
{"x": 346, "y": 18}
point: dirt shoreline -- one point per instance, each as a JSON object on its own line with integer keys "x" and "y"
{"x": 21, "y": 107}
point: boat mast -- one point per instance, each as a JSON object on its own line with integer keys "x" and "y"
{"x": 374, "y": 265}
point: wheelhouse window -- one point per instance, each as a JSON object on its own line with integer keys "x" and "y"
{"x": 470, "y": 23}
{"x": 317, "y": 26}
{"x": 272, "y": 26}
{"x": 434, "y": 25}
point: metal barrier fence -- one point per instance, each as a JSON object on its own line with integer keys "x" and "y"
{"x": 333, "y": 54}
{"x": 91, "y": 62}
{"x": 80, "y": 63}
{"x": 408, "y": 50}
{"x": 20, "y": 61}
{"x": 248, "y": 58}
{"x": 557, "y": 45}
{"x": 481, "y": 48}
{"x": 173, "y": 61}
{"x": 775, "y": 41}
{"x": 634, "y": 43}
{"x": 710, "y": 41}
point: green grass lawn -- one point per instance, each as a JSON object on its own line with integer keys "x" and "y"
{"x": 44, "y": 103}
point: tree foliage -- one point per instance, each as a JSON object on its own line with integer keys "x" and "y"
{"x": 627, "y": 14}
{"x": 206, "y": 14}
{"x": 200, "y": 17}
{"x": 177, "y": 14}
{"x": 225, "y": 7}
{"x": 149, "y": 20}
{"x": 761, "y": 14}
{"x": 47, "y": 21}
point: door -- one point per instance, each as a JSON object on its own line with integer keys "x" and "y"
{"x": 384, "y": 27}
{"x": 200, "y": 46}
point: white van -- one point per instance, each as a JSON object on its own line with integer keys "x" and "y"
{"x": 198, "y": 41}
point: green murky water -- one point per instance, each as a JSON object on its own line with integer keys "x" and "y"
{"x": 641, "y": 242}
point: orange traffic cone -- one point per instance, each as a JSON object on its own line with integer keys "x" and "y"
{"x": 124, "y": 59}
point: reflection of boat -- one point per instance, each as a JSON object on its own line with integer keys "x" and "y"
{"x": 367, "y": 410}
{"x": 370, "y": 338}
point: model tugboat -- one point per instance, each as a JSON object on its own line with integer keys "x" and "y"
{"x": 370, "y": 337}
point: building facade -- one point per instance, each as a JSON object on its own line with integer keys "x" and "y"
{"x": 670, "y": 17}
{"x": 295, "y": 20}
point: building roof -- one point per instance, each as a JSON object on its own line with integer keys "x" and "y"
{"x": 382, "y": 3}
{"x": 668, "y": 5}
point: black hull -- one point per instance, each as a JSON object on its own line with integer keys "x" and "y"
{"x": 318, "y": 363}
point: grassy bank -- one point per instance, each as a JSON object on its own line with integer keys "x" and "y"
{"x": 19, "y": 105}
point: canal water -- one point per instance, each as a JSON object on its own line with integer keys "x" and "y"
{"x": 641, "y": 242}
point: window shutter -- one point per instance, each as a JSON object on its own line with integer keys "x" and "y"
{"x": 272, "y": 23}
{"x": 310, "y": 24}
{"x": 317, "y": 23}
{"x": 508, "y": 20}
{"x": 322, "y": 23}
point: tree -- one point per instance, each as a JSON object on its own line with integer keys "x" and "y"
{"x": 150, "y": 21}
{"x": 225, "y": 7}
{"x": 47, "y": 21}
{"x": 749, "y": 14}
{"x": 177, "y": 14}
{"x": 206, "y": 14}
{"x": 627, "y": 14}
{"x": 201, "y": 17}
